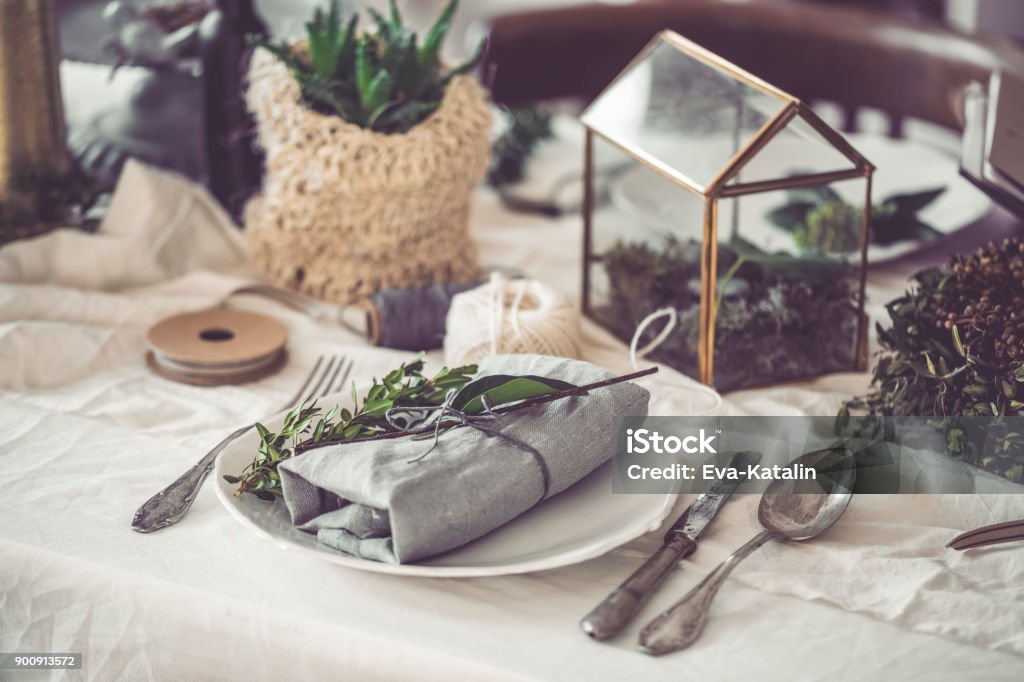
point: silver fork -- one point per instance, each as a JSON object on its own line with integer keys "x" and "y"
{"x": 169, "y": 505}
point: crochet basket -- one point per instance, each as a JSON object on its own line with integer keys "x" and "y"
{"x": 345, "y": 211}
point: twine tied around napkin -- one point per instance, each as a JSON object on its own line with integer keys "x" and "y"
{"x": 439, "y": 414}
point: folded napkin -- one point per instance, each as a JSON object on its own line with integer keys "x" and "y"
{"x": 369, "y": 500}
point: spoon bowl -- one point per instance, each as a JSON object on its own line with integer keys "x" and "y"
{"x": 796, "y": 509}
{"x": 802, "y": 509}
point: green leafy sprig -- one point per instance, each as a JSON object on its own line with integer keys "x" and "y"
{"x": 954, "y": 349}
{"x": 498, "y": 395}
{"x": 405, "y": 386}
{"x": 383, "y": 80}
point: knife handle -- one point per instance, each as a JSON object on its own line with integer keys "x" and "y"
{"x": 616, "y": 611}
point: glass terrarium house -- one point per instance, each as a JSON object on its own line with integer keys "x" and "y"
{"x": 714, "y": 197}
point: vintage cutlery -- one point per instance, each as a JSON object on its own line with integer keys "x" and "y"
{"x": 169, "y": 505}
{"x": 789, "y": 510}
{"x": 613, "y": 614}
{"x": 1008, "y": 531}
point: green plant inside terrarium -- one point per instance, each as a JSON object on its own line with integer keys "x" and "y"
{"x": 821, "y": 222}
{"x": 778, "y": 316}
{"x": 385, "y": 80}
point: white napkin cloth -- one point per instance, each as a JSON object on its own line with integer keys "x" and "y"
{"x": 159, "y": 226}
{"x": 887, "y": 558}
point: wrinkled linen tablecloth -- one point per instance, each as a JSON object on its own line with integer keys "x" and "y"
{"x": 87, "y": 433}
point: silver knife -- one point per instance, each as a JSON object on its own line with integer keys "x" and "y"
{"x": 613, "y": 614}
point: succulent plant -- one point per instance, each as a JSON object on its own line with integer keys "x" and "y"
{"x": 832, "y": 228}
{"x": 384, "y": 79}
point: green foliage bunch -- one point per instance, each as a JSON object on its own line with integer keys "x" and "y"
{"x": 954, "y": 350}
{"x": 406, "y": 386}
{"x": 385, "y": 80}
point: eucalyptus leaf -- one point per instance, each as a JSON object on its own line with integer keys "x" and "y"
{"x": 377, "y": 408}
{"x": 957, "y": 343}
{"x": 890, "y": 228}
{"x": 501, "y": 389}
{"x": 912, "y": 203}
{"x": 344, "y": 424}
{"x": 813, "y": 268}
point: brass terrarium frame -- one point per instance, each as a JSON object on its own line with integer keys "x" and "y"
{"x": 719, "y": 187}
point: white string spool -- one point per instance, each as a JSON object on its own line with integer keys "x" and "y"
{"x": 510, "y": 316}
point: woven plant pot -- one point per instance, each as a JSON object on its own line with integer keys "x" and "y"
{"x": 345, "y": 211}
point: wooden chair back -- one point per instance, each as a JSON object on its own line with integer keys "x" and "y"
{"x": 851, "y": 56}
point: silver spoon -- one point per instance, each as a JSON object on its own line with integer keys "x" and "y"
{"x": 789, "y": 510}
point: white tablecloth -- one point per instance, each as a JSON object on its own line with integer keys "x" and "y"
{"x": 87, "y": 433}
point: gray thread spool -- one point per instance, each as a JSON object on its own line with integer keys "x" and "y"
{"x": 412, "y": 319}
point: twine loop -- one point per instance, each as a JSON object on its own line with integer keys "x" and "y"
{"x": 683, "y": 383}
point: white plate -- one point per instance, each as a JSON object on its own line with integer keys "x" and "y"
{"x": 903, "y": 166}
{"x": 582, "y": 523}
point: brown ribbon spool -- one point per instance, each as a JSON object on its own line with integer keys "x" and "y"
{"x": 217, "y": 347}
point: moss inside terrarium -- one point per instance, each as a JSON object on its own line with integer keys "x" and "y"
{"x": 779, "y": 316}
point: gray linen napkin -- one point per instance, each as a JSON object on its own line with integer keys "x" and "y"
{"x": 368, "y": 500}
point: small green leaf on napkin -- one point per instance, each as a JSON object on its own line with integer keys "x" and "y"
{"x": 501, "y": 389}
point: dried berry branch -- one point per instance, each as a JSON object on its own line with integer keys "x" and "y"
{"x": 955, "y": 348}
